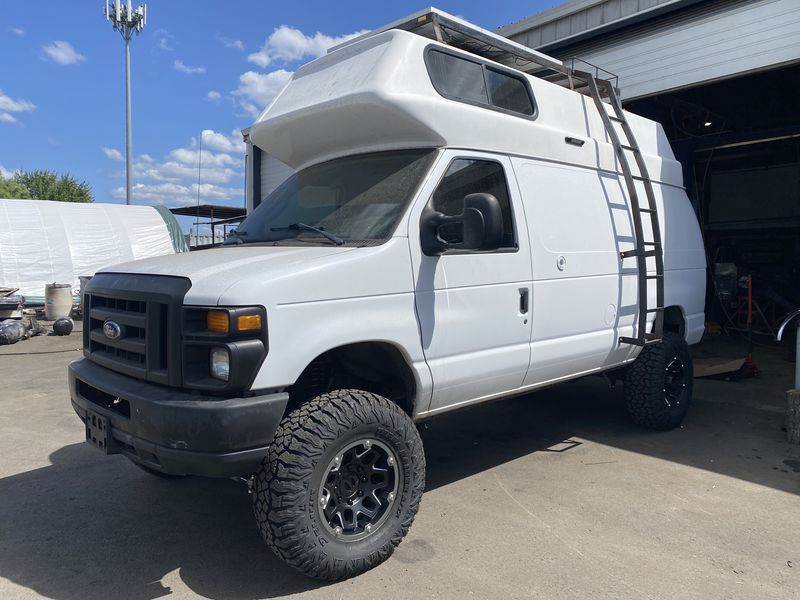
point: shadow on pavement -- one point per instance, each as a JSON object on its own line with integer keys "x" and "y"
{"x": 90, "y": 526}
{"x": 722, "y": 434}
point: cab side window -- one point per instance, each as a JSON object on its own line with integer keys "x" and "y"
{"x": 468, "y": 176}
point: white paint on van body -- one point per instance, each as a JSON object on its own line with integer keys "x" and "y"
{"x": 456, "y": 318}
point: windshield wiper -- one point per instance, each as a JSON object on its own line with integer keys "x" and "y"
{"x": 238, "y": 235}
{"x": 303, "y": 226}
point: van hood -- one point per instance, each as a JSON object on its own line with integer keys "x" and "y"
{"x": 215, "y": 270}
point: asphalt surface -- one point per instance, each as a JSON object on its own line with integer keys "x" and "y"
{"x": 552, "y": 495}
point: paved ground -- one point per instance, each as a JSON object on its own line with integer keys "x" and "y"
{"x": 551, "y": 496}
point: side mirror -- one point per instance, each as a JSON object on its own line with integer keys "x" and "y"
{"x": 481, "y": 222}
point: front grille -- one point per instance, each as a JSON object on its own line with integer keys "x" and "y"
{"x": 130, "y": 352}
{"x": 146, "y": 307}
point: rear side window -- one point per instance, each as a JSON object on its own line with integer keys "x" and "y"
{"x": 461, "y": 79}
{"x": 468, "y": 176}
{"x": 465, "y": 80}
{"x": 508, "y": 92}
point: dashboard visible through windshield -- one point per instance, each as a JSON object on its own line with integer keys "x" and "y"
{"x": 346, "y": 201}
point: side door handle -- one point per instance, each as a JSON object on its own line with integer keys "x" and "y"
{"x": 523, "y": 300}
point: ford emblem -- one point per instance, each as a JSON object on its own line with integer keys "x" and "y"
{"x": 112, "y": 330}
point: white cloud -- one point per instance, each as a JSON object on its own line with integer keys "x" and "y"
{"x": 18, "y": 31}
{"x": 112, "y": 153}
{"x": 163, "y": 38}
{"x": 5, "y": 173}
{"x": 229, "y": 43}
{"x": 63, "y": 53}
{"x": 8, "y": 105}
{"x": 257, "y": 90}
{"x": 223, "y": 143}
{"x": 289, "y": 44}
{"x": 174, "y": 194}
{"x": 19, "y": 105}
{"x": 184, "y": 68}
{"x": 172, "y": 179}
{"x": 214, "y": 96}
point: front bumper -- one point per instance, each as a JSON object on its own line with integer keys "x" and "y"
{"x": 177, "y": 432}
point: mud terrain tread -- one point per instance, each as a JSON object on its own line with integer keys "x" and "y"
{"x": 280, "y": 491}
{"x": 644, "y": 385}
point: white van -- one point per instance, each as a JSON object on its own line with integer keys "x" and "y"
{"x": 456, "y": 231}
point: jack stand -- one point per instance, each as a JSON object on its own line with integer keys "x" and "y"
{"x": 749, "y": 368}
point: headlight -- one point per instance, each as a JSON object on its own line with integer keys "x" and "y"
{"x": 220, "y": 363}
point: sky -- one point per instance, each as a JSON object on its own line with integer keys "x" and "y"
{"x": 206, "y": 68}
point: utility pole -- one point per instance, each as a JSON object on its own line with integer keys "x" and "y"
{"x": 126, "y": 20}
{"x": 199, "y": 170}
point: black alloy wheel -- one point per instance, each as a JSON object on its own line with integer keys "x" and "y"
{"x": 360, "y": 489}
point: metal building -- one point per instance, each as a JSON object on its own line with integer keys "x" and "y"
{"x": 263, "y": 173}
{"x": 723, "y": 77}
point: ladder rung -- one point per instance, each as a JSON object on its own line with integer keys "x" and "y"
{"x": 648, "y": 210}
{"x": 650, "y": 244}
{"x": 648, "y": 341}
{"x": 616, "y": 118}
{"x": 656, "y": 309}
{"x": 654, "y": 277}
{"x": 631, "y": 148}
{"x": 638, "y": 252}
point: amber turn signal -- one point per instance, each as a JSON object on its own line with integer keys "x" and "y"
{"x": 249, "y": 323}
{"x": 217, "y": 321}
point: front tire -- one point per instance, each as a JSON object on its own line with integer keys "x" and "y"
{"x": 658, "y": 385}
{"x": 340, "y": 485}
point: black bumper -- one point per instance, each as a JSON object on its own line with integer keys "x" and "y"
{"x": 174, "y": 431}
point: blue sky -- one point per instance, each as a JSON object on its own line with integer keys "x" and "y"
{"x": 212, "y": 68}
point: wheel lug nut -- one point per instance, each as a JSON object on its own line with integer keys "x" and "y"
{"x": 363, "y": 480}
{"x": 360, "y": 493}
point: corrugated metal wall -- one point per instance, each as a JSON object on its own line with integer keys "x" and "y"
{"x": 273, "y": 173}
{"x": 574, "y": 18}
{"x": 702, "y": 43}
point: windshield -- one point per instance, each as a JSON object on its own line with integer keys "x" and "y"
{"x": 352, "y": 200}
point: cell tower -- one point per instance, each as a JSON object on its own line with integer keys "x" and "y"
{"x": 126, "y": 20}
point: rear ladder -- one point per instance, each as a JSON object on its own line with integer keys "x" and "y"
{"x": 644, "y": 248}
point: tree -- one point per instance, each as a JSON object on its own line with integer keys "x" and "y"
{"x": 11, "y": 189}
{"x": 47, "y": 185}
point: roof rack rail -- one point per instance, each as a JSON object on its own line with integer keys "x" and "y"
{"x": 443, "y": 27}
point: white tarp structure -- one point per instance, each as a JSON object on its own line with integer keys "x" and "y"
{"x": 45, "y": 242}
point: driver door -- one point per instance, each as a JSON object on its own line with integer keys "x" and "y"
{"x": 473, "y": 307}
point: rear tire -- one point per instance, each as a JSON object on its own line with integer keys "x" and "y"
{"x": 341, "y": 484}
{"x": 658, "y": 385}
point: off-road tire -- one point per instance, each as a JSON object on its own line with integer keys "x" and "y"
{"x": 287, "y": 488}
{"x": 647, "y": 384}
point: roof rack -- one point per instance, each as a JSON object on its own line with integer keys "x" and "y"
{"x": 443, "y": 27}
